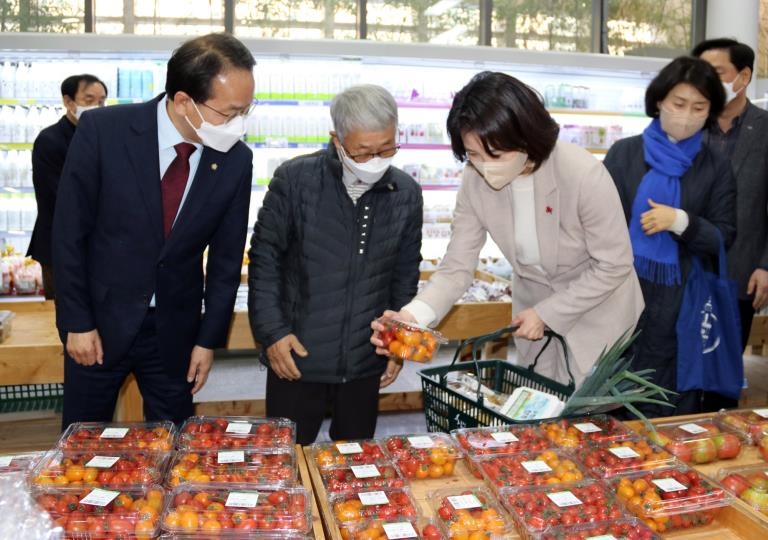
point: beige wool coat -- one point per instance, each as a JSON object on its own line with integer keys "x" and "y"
{"x": 588, "y": 291}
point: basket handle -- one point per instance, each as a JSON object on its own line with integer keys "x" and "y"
{"x": 478, "y": 341}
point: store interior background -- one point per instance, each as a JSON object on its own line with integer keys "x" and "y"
{"x": 306, "y": 51}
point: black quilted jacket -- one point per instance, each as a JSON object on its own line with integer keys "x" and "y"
{"x": 323, "y": 268}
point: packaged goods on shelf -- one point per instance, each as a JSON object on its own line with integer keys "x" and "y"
{"x": 749, "y": 483}
{"x": 700, "y": 441}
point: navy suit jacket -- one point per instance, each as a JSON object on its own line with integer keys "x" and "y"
{"x": 108, "y": 247}
{"x": 48, "y": 155}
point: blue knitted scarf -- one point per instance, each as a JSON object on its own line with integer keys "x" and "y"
{"x": 656, "y": 256}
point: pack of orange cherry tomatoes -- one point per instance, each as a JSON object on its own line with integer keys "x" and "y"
{"x": 410, "y": 341}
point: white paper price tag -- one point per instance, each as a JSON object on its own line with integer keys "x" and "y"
{"x": 421, "y": 441}
{"x": 624, "y": 452}
{"x": 239, "y": 428}
{"x": 349, "y": 448}
{"x": 5, "y": 461}
{"x": 564, "y": 498}
{"x": 242, "y": 499}
{"x": 102, "y": 462}
{"x": 365, "y": 471}
{"x": 763, "y": 413}
{"x": 231, "y": 456}
{"x": 369, "y": 498}
{"x": 536, "y": 466}
{"x": 587, "y": 427}
{"x": 602, "y": 537}
{"x": 114, "y": 433}
{"x": 669, "y": 484}
{"x": 100, "y": 497}
{"x": 404, "y": 529}
{"x": 460, "y": 502}
{"x": 504, "y": 437}
{"x": 694, "y": 429}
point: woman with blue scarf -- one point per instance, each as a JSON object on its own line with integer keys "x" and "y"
{"x": 679, "y": 198}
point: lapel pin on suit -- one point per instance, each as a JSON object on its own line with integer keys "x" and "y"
{"x": 214, "y": 166}
{"x": 548, "y": 209}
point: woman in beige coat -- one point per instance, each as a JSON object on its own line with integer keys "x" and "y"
{"x": 554, "y": 212}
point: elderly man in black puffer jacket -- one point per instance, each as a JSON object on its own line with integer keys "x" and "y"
{"x": 337, "y": 241}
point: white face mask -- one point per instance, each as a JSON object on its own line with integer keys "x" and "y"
{"x": 369, "y": 172}
{"x": 499, "y": 174}
{"x": 730, "y": 93}
{"x": 79, "y": 110}
{"x": 680, "y": 126}
{"x": 221, "y": 137}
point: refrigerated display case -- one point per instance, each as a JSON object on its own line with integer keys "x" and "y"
{"x": 597, "y": 99}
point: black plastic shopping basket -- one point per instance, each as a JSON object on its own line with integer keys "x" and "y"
{"x": 447, "y": 409}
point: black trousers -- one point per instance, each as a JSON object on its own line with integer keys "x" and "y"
{"x": 90, "y": 392}
{"x": 353, "y": 405}
{"x": 746, "y": 313}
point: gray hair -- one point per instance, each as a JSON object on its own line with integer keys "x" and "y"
{"x": 366, "y": 107}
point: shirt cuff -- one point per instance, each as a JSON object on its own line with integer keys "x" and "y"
{"x": 680, "y": 223}
{"x": 421, "y": 311}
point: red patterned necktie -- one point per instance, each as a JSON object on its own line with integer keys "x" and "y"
{"x": 173, "y": 183}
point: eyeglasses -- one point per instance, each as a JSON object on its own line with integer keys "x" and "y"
{"x": 368, "y": 156}
{"x": 232, "y": 116}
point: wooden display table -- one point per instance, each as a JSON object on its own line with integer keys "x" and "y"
{"x": 739, "y": 521}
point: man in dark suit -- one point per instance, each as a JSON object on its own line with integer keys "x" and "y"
{"x": 741, "y": 133}
{"x": 79, "y": 93}
{"x": 146, "y": 189}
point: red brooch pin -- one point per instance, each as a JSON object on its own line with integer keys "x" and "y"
{"x": 549, "y": 209}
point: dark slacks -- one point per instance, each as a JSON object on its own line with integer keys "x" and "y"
{"x": 48, "y": 285}
{"x": 90, "y": 392}
{"x": 353, "y": 405}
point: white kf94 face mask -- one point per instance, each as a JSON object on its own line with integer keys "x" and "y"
{"x": 221, "y": 137}
{"x": 369, "y": 172}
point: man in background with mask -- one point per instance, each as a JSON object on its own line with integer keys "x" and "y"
{"x": 741, "y": 133}
{"x": 146, "y": 190}
{"x": 336, "y": 242}
{"x": 79, "y": 93}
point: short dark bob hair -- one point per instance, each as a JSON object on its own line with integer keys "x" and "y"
{"x": 741, "y": 55}
{"x": 689, "y": 70}
{"x": 506, "y": 114}
{"x": 198, "y": 61}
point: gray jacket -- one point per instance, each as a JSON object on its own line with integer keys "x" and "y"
{"x": 750, "y": 168}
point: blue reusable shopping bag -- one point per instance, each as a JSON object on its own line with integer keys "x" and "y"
{"x": 709, "y": 353}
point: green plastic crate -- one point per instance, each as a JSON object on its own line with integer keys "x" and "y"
{"x": 31, "y": 397}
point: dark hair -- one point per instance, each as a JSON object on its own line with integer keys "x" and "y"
{"x": 506, "y": 115}
{"x": 686, "y": 69}
{"x": 741, "y": 55}
{"x": 71, "y": 84}
{"x": 194, "y": 65}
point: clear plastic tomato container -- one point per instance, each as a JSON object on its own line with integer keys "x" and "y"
{"x": 362, "y": 477}
{"x": 697, "y": 442}
{"x": 381, "y": 529}
{"x": 386, "y": 504}
{"x": 482, "y": 441}
{"x": 109, "y": 470}
{"x": 463, "y": 511}
{"x": 217, "y": 432}
{"x": 231, "y": 509}
{"x": 621, "y": 457}
{"x": 672, "y": 498}
{"x": 93, "y": 512}
{"x": 750, "y": 423}
{"x": 537, "y": 509}
{"x": 762, "y": 444}
{"x": 145, "y": 436}
{"x": 332, "y": 454}
{"x": 410, "y": 341}
{"x": 428, "y": 455}
{"x": 21, "y": 462}
{"x": 629, "y": 528}
{"x": 749, "y": 483}
{"x": 548, "y": 467}
{"x": 574, "y": 432}
{"x": 259, "y": 466}
{"x": 216, "y": 535}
